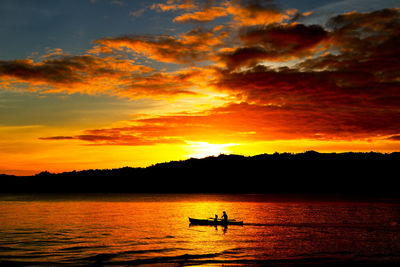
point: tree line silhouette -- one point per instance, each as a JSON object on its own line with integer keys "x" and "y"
{"x": 304, "y": 173}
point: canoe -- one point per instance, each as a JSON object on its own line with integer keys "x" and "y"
{"x": 213, "y": 222}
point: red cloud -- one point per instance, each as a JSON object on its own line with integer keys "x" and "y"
{"x": 368, "y": 42}
{"x": 57, "y": 138}
{"x": 275, "y": 42}
{"x": 291, "y": 39}
{"x": 352, "y": 94}
{"x": 113, "y": 137}
{"x": 250, "y": 122}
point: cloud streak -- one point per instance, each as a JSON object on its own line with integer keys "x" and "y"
{"x": 241, "y": 13}
{"x": 189, "y": 47}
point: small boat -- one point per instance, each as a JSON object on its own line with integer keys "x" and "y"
{"x": 213, "y": 222}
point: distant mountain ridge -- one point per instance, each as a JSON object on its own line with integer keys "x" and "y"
{"x": 309, "y": 172}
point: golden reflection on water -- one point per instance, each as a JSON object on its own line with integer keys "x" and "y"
{"x": 105, "y": 227}
{"x": 72, "y": 231}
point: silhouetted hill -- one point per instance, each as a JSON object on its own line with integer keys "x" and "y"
{"x": 310, "y": 172}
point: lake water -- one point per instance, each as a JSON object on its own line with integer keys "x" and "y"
{"x": 154, "y": 229}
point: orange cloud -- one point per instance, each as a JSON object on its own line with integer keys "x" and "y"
{"x": 247, "y": 13}
{"x": 242, "y": 12}
{"x": 67, "y": 70}
{"x": 207, "y": 15}
{"x": 163, "y": 84}
{"x": 204, "y": 40}
{"x": 170, "y": 5}
{"x": 94, "y": 75}
{"x": 162, "y": 48}
{"x": 190, "y": 47}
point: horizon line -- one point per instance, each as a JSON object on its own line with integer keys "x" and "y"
{"x": 32, "y": 173}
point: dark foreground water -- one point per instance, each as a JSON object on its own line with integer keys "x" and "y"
{"x": 154, "y": 229}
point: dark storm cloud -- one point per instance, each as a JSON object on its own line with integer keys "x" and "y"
{"x": 275, "y": 42}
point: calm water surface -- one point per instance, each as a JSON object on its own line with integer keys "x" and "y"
{"x": 154, "y": 229}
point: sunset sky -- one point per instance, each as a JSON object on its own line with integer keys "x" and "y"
{"x": 94, "y": 84}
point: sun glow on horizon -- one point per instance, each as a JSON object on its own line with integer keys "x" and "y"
{"x": 205, "y": 149}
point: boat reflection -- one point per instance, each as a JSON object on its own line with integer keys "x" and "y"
{"x": 224, "y": 227}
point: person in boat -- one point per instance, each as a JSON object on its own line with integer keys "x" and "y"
{"x": 224, "y": 217}
{"x": 216, "y": 218}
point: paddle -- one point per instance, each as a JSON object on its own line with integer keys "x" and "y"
{"x": 232, "y": 220}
